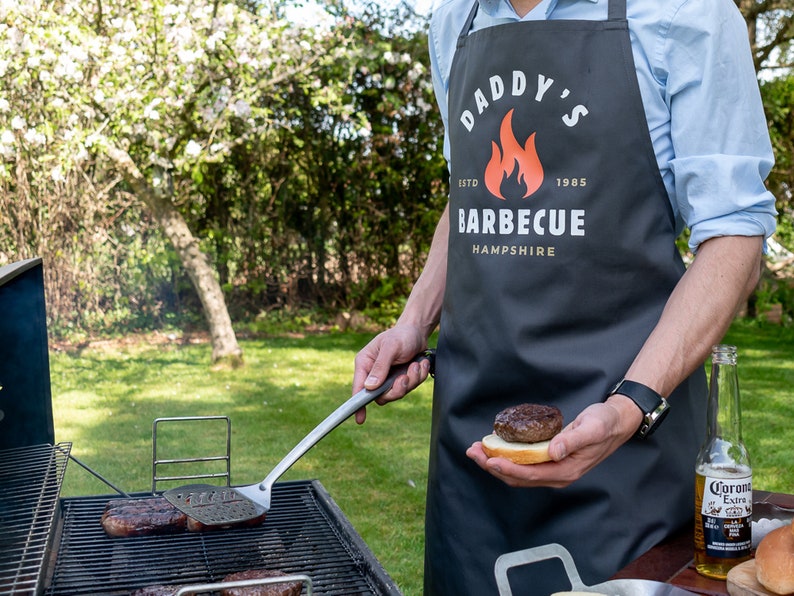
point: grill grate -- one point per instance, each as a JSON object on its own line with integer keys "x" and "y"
{"x": 304, "y": 532}
{"x": 30, "y": 482}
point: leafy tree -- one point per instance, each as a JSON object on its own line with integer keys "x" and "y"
{"x": 149, "y": 92}
{"x": 770, "y": 26}
{"x": 339, "y": 206}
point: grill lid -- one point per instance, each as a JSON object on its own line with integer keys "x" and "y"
{"x": 30, "y": 483}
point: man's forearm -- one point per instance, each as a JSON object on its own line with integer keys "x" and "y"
{"x": 423, "y": 308}
{"x": 699, "y": 311}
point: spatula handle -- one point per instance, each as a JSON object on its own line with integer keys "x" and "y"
{"x": 342, "y": 413}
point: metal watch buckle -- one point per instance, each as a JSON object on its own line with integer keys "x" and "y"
{"x": 651, "y": 418}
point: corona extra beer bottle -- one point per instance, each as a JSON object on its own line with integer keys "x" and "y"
{"x": 723, "y": 476}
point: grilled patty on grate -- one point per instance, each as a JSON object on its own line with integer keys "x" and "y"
{"x": 282, "y": 589}
{"x": 142, "y": 517}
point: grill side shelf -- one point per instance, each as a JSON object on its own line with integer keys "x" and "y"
{"x": 30, "y": 484}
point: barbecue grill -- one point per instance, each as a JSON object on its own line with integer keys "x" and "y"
{"x": 51, "y": 545}
{"x": 304, "y": 533}
{"x": 57, "y": 546}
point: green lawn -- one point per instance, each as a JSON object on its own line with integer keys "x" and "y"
{"x": 766, "y": 386}
{"x": 106, "y": 398}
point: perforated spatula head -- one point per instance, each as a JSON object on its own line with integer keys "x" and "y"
{"x": 214, "y": 505}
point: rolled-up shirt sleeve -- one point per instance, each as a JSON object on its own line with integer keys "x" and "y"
{"x": 720, "y": 139}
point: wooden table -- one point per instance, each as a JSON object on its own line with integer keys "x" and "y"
{"x": 672, "y": 560}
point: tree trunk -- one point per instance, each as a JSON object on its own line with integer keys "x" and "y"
{"x": 225, "y": 349}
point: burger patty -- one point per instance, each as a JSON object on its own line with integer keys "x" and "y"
{"x": 528, "y": 423}
{"x": 142, "y": 517}
{"x": 279, "y": 589}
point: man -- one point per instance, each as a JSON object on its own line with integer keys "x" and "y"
{"x": 582, "y": 136}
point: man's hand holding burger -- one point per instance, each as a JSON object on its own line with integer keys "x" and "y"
{"x": 595, "y": 434}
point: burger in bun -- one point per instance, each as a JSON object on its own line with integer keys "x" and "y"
{"x": 774, "y": 560}
{"x": 522, "y": 433}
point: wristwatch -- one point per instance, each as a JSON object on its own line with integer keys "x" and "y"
{"x": 653, "y": 406}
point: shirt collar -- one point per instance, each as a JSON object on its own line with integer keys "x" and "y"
{"x": 498, "y": 7}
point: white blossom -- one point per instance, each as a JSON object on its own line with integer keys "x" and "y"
{"x": 34, "y": 137}
{"x": 7, "y": 151}
{"x": 150, "y": 111}
{"x": 18, "y": 122}
{"x": 170, "y": 10}
{"x": 192, "y": 149}
{"x": 67, "y": 68}
{"x": 57, "y": 174}
{"x": 188, "y": 56}
{"x": 76, "y": 53}
{"x": 214, "y": 39}
{"x": 240, "y": 109}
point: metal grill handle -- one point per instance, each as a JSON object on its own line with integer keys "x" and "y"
{"x": 245, "y": 583}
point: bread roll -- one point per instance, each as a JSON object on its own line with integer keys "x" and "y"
{"x": 519, "y": 453}
{"x": 774, "y": 561}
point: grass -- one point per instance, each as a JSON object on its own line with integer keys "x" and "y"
{"x": 106, "y": 398}
{"x": 766, "y": 386}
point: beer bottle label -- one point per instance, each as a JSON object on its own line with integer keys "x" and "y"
{"x": 727, "y": 514}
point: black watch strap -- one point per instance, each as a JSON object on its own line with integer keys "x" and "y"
{"x": 653, "y": 406}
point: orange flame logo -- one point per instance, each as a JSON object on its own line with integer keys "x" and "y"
{"x": 503, "y": 163}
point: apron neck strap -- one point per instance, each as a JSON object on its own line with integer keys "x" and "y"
{"x": 469, "y": 20}
{"x": 616, "y": 12}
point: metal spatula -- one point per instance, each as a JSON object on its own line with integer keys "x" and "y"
{"x": 224, "y": 505}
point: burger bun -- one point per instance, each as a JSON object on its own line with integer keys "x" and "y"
{"x": 520, "y": 453}
{"x": 774, "y": 561}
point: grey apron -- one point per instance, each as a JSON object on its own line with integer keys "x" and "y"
{"x": 561, "y": 259}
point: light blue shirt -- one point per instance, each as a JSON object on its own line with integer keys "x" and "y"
{"x": 700, "y": 93}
